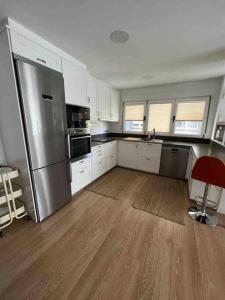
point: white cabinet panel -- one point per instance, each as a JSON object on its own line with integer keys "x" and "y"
{"x": 92, "y": 97}
{"x": 104, "y": 158}
{"x": 150, "y": 165}
{"x": 127, "y": 154}
{"x": 141, "y": 156}
{"x": 103, "y": 96}
{"x": 81, "y": 174}
{"x": 31, "y": 50}
{"x": 75, "y": 81}
{"x": 149, "y": 155}
{"x": 114, "y": 105}
{"x": 104, "y": 101}
{"x": 149, "y": 150}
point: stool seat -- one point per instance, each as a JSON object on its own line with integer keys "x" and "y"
{"x": 210, "y": 170}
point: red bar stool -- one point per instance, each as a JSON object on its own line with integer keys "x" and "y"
{"x": 210, "y": 170}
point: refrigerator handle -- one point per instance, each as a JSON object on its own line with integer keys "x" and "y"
{"x": 68, "y": 153}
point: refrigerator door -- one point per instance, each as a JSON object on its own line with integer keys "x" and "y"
{"x": 43, "y": 106}
{"x": 52, "y": 188}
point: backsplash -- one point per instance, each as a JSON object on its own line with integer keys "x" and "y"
{"x": 99, "y": 127}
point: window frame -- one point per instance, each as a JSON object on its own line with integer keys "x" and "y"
{"x": 205, "y": 117}
{"x": 175, "y": 102}
{"x": 126, "y": 103}
{"x": 161, "y": 101}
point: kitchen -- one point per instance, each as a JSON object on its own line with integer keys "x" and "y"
{"x": 88, "y": 143}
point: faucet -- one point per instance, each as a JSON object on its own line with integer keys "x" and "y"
{"x": 154, "y": 133}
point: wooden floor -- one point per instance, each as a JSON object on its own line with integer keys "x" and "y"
{"x": 100, "y": 248}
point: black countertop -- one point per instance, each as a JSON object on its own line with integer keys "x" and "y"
{"x": 200, "y": 149}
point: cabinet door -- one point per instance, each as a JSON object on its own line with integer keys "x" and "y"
{"x": 149, "y": 157}
{"x": 31, "y": 50}
{"x": 103, "y": 93}
{"x": 111, "y": 154}
{"x": 127, "y": 154}
{"x": 92, "y": 97}
{"x": 97, "y": 168}
{"x": 81, "y": 174}
{"x": 75, "y": 82}
{"x": 114, "y": 105}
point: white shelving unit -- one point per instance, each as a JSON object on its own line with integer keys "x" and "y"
{"x": 10, "y": 206}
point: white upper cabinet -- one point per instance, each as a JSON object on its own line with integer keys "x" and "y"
{"x": 114, "y": 105}
{"x": 31, "y": 50}
{"x": 75, "y": 81}
{"x": 103, "y": 94}
{"x": 92, "y": 97}
{"x": 104, "y": 101}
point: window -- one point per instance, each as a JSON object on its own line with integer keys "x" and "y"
{"x": 184, "y": 117}
{"x": 159, "y": 117}
{"x": 190, "y": 117}
{"x": 133, "y": 120}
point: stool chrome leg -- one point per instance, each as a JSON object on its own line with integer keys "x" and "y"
{"x": 201, "y": 215}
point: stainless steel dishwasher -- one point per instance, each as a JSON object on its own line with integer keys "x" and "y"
{"x": 173, "y": 161}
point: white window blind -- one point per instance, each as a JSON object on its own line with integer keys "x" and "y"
{"x": 190, "y": 111}
{"x": 159, "y": 117}
{"x": 191, "y": 117}
{"x": 134, "y": 112}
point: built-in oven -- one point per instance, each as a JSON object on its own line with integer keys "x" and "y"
{"x": 79, "y": 137}
{"x": 80, "y": 146}
{"x": 77, "y": 116}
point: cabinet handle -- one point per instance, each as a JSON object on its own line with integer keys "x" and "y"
{"x": 81, "y": 162}
{"x": 81, "y": 172}
{"x": 41, "y": 60}
{"x": 89, "y": 100}
{"x": 148, "y": 158}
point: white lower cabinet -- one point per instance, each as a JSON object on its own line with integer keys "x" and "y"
{"x": 140, "y": 156}
{"x": 149, "y": 155}
{"x": 104, "y": 158}
{"x": 81, "y": 174}
{"x": 127, "y": 154}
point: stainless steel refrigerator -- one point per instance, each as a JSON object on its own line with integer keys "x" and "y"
{"x": 43, "y": 117}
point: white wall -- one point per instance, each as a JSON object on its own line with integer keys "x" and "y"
{"x": 176, "y": 90}
{"x": 2, "y": 155}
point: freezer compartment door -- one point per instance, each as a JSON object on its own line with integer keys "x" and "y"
{"x": 52, "y": 188}
{"x": 43, "y": 107}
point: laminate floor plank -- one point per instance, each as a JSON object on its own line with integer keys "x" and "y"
{"x": 99, "y": 248}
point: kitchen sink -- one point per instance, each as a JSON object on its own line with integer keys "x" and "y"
{"x": 147, "y": 140}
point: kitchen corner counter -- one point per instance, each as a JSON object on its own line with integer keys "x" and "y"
{"x": 199, "y": 149}
{"x": 107, "y": 140}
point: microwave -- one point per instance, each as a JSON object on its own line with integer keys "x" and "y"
{"x": 77, "y": 116}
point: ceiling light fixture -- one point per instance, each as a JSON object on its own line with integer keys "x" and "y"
{"x": 119, "y": 36}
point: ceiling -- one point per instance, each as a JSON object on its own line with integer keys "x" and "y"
{"x": 170, "y": 40}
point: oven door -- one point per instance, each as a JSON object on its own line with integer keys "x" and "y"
{"x": 79, "y": 146}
